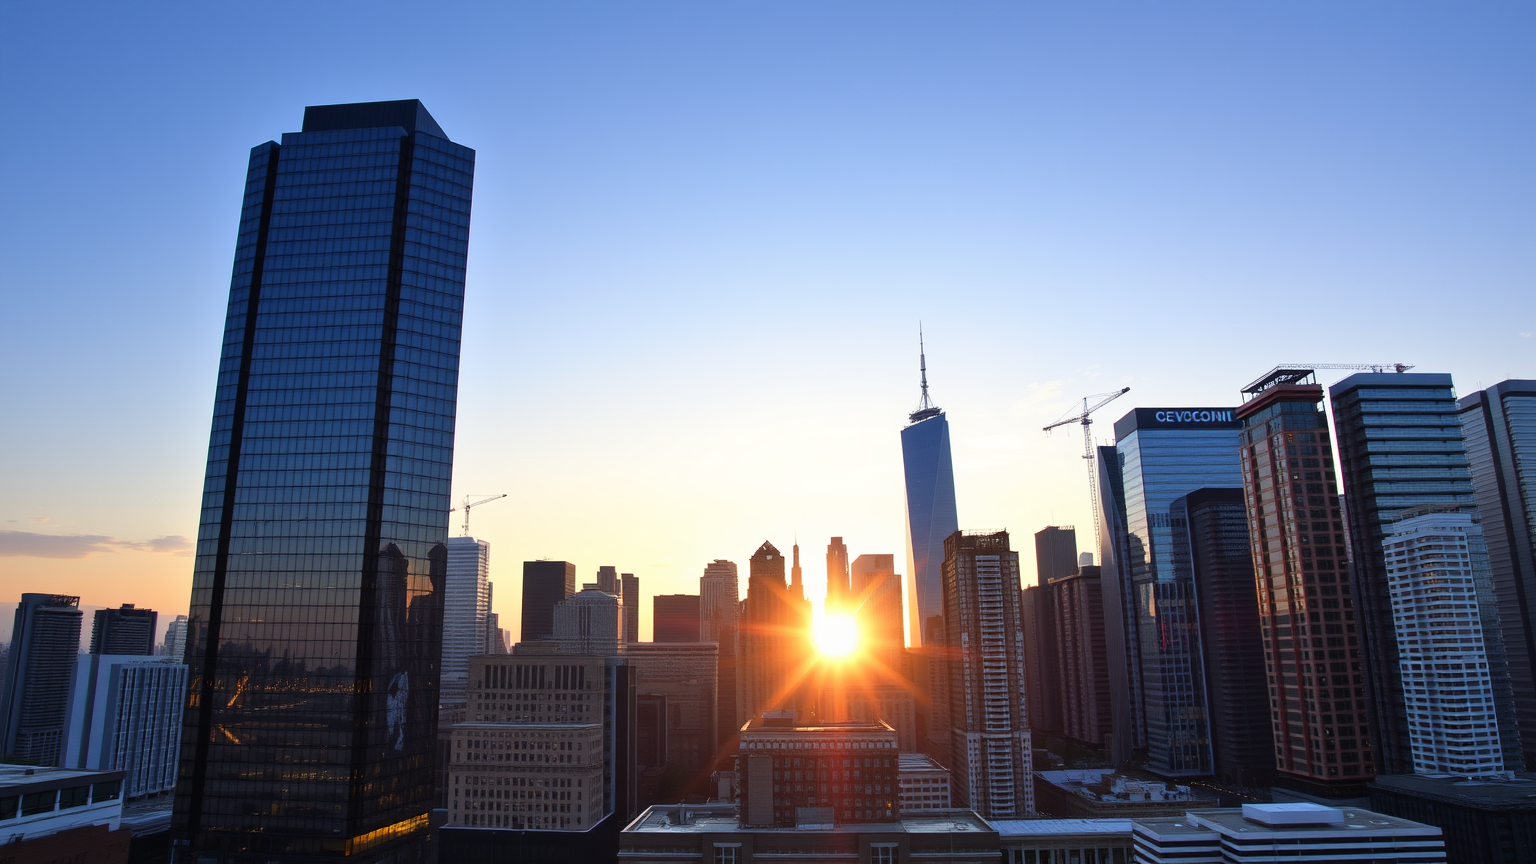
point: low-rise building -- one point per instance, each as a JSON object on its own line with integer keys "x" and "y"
{"x": 1484, "y": 819}
{"x": 1102, "y": 793}
{"x": 713, "y": 834}
{"x": 61, "y": 814}
{"x": 846, "y": 772}
{"x": 1295, "y": 832}
{"x": 1059, "y": 841}
{"x": 923, "y": 784}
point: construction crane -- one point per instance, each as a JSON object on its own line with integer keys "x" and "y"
{"x": 1292, "y": 373}
{"x": 1086, "y": 419}
{"x": 470, "y": 505}
{"x": 1358, "y": 367}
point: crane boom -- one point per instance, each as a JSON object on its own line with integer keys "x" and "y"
{"x": 1085, "y": 419}
{"x": 470, "y": 505}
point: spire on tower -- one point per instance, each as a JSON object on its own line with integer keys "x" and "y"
{"x": 925, "y": 406}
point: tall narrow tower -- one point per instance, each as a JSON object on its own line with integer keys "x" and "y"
{"x": 315, "y": 627}
{"x": 931, "y": 517}
{"x": 838, "y": 589}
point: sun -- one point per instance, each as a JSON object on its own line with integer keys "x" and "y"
{"x": 836, "y": 635}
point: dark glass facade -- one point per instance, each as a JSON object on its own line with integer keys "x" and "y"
{"x": 545, "y": 583}
{"x": 316, "y": 611}
{"x": 1499, "y": 425}
{"x": 675, "y": 618}
{"x": 931, "y": 515}
{"x": 1400, "y": 446}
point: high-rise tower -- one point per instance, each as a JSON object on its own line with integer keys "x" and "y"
{"x": 545, "y": 583}
{"x": 316, "y": 611}
{"x": 838, "y": 586}
{"x": 772, "y": 638}
{"x": 125, "y": 630}
{"x": 466, "y": 613}
{"x": 931, "y": 517}
{"x": 44, "y": 643}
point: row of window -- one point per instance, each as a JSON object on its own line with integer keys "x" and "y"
{"x": 48, "y": 800}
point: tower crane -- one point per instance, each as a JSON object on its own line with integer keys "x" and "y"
{"x": 470, "y": 505}
{"x": 1086, "y": 420}
{"x": 1291, "y": 373}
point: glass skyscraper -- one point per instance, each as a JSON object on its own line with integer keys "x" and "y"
{"x": 1500, "y": 429}
{"x": 1400, "y": 447}
{"x": 316, "y": 612}
{"x": 931, "y": 517}
{"x": 1164, "y": 454}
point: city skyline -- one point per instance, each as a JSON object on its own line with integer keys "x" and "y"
{"x": 731, "y": 472}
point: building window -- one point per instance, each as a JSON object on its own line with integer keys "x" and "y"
{"x": 728, "y": 854}
{"x": 883, "y": 854}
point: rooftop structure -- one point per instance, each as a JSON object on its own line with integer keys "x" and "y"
{"x": 1305, "y": 832}
{"x": 1484, "y": 818}
{"x": 923, "y": 784}
{"x": 1102, "y": 792}
{"x": 828, "y": 773}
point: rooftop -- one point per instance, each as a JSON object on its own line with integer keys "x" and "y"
{"x": 12, "y": 776}
{"x": 717, "y": 818}
{"x": 1034, "y": 827}
{"x": 1515, "y": 793}
{"x": 1340, "y": 820}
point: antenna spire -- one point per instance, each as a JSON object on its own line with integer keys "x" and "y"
{"x": 925, "y": 406}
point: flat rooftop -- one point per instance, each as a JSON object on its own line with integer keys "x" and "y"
{"x": 1483, "y": 793}
{"x": 28, "y": 775}
{"x": 1037, "y": 827}
{"x": 1355, "y": 821}
{"x": 715, "y": 818}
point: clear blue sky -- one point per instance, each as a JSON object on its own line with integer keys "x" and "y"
{"x": 704, "y": 234}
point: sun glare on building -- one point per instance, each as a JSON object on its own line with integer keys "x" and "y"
{"x": 836, "y": 635}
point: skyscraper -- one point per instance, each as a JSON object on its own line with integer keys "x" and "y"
{"x": 1164, "y": 454}
{"x": 125, "y": 630}
{"x": 838, "y": 586}
{"x": 931, "y": 517}
{"x": 45, "y": 640}
{"x": 1400, "y": 446}
{"x": 675, "y": 618}
{"x": 1499, "y": 425}
{"x": 1082, "y": 656}
{"x": 608, "y": 581}
{"x": 1231, "y": 641}
{"x": 1042, "y": 671}
{"x": 316, "y": 608}
{"x": 587, "y": 622}
{"x": 1432, "y": 559}
{"x": 125, "y": 713}
{"x": 176, "y": 639}
{"x": 876, "y": 588}
{"x": 719, "y": 611}
{"x": 545, "y": 583}
{"x": 1128, "y": 728}
{"x": 1055, "y": 553}
{"x": 466, "y": 613}
{"x": 772, "y": 639}
{"x": 629, "y": 599}
{"x": 989, "y": 722}
{"x": 1312, "y": 654}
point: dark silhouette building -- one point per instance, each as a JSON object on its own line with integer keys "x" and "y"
{"x": 315, "y": 627}
{"x": 1313, "y": 660}
{"x": 1232, "y": 646}
{"x": 1499, "y": 425}
{"x": 1042, "y": 663}
{"x": 1082, "y": 657}
{"x": 824, "y": 773}
{"x": 1485, "y": 819}
{"x": 876, "y": 592}
{"x": 545, "y": 583}
{"x": 1400, "y": 446}
{"x": 629, "y": 600}
{"x": 45, "y": 641}
{"x": 773, "y": 636}
{"x": 839, "y": 588}
{"x": 1055, "y": 552}
{"x": 125, "y": 630}
{"x": 675, "y": 618}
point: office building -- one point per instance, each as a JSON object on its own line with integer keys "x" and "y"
{"x": 1312, "y": 654}
{"x": 588, "y": 622}
{"x": 876, "y": 591}
{"x": 125, "y": 714}
{"x": 1102, "y": 793}
{"x": 1484, "y": 819}
{"x": 1128, "y": 730}
{"x": 545, "y": 583}
{"x": 922, "y": 784}
{"x": 45, "y": 640}
{"x": 1059, "y": 841}
{"x": 650, "y": 746}
{"x": 774, "y": 645}
{"x": 629, "y": 598}
{"x": 989, "y": 737}
{"x": 1042, "y": 663}
{"x": 531, "y": 754}
{"x": 718, "y": 601}
{"x": 675, "y": 618}
{"x": 930, "y": 486}
{"x": 62, "y": 815}
{"x": 1499, "y": 425}
{"x": 314, "y": 633}
{"x": 846, "y": 771}
{"x": 839, "y": 587}
{"x": 176, "y": 639}
{"x": 1055, "y": 553}
{"x": 1432, "y": 558}
{"x": 1231, "y": 641}
{"x": 608, "y": 581}
{"x": 683, "y": 675}
{"x": 466, "y": 613}
{"x": 125, "y": 630}
{"x": 1291, "y": 832}
{"x": 1162, "y": 455}
{"x": 1400, "y": 446}
{"x": 713, "y": 834}
{"x": 1082, "y": 657}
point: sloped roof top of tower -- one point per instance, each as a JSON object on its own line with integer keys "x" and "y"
{"x": 767, "y": 550}
{"x": 409, "y": 113}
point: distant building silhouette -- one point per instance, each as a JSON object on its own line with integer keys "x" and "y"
{"x": 1082, "y": 657}
{"x": 176, "y": 639}
{"x": 587, "y": 622}
{"x": 838, "y": 585}
{"x": 773, "y": 639}
{"x": 629, "y": 598}
{"x": 126, "y": 630}
{"x": 45, "y": 639}
{"x": 675, "y": 618}
{"x": 545, "y": 583}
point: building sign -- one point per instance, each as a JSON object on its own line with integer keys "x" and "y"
{"x": 1177, "y": 418}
